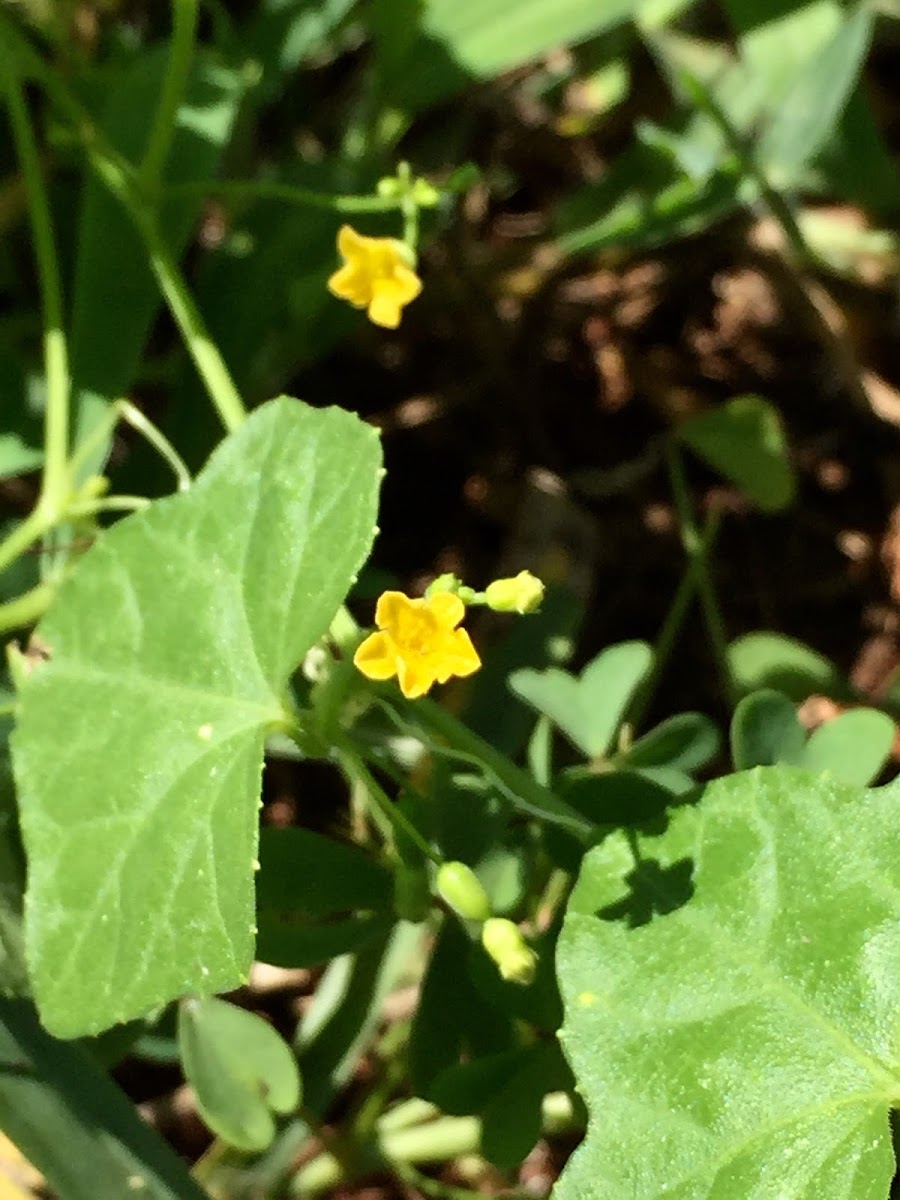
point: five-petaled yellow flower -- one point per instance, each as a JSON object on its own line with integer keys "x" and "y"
{"x": 418, "y": 642}
{"x": 376, "y": 275}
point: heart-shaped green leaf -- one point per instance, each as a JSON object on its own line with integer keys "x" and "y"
{"x": 241, "y": 1071}
{"x": 139, "y": 748}
{"x": 685, "y": 742}
{"x": 765, "y": 730}
{"x": 744, "y": 440}
{"x": 742, "y": 1046}
{"x": 853, "y": 747}
{"x": 763, "y": 659}
{"x": 588, "y": 709}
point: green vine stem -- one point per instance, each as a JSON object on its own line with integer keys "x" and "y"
{"x": 270, "y": 189}
{"x": 530, "y": 795}
{"x": 357, "y": 771}
{"x": 126, "y": 411}
{"x": 432, "y": 1141}
{"x": 695, "y": 548}
{"x": 26, "y": 609}
{"x": 120, "y": 177}
{"x": 674, "y": 620}
{"x": 184, "y": 30}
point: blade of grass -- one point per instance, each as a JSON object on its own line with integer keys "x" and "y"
{"x": 72, "y": 1122}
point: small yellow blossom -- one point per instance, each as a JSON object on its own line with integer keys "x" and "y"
{"x": 376, "y": 275}
{"x": 418, "y": 642}
{"x": 522, "y": 594}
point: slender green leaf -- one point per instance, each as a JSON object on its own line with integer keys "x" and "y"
{"x": 812, "y": 107}
{"x": 462, "y": 40}
{"x": 74, "y": 1124}
{"x": 743, "y": 1045}
{"x": 13, "y": 973}
{"x": 170, "y": 648}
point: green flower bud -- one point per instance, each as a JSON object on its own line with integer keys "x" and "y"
{"x": 459, "y": 886}
{"x": 425, "y": 194}
{"x": 503, "y": 941}
{"x": 444, "y": 583}
{"x": 522, "y": 594}
{"x": 389, "y": 187}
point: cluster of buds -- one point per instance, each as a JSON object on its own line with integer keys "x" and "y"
{"x": 521, "y": 593}
{"x": 461, "y": 890}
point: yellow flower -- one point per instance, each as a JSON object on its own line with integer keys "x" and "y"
{"x": 418, "y": 642}
{"x": 376, "y": 275}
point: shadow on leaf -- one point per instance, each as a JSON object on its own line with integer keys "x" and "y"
{"x": 654, "y": 892}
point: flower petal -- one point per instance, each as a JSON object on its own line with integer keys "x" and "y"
{"x": 407, "y": 282}
{"x": 384, "y": 310}
{"x": 447, "y": 608}
{"x": 459, "y": 657}
{"x": 350, "y": 243}
{"x": 415, "y": 677}
{"x": 350, "y": 283}
{"x": 376, "y": 657}
{"x": 392, "y": 608}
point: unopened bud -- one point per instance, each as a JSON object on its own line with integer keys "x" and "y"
{"x": 521, "y": 594}
{"x": 447, "y": 582}
{"x": 460, "y": 888}
{"x": 515, "y": 959}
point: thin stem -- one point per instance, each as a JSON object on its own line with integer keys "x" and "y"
{"x": 695, "y": 548}
{"x": 206, "y": 355}
{"x": 56, "y": 365}
{"x": 522, "y": 788}
{"x": 158, "y": 440}
{"x": 357, "y": 770}
{"x": 25, "y": 534}
{"x": 266, "y": 189}
{"x": 777, "y": 205}
{"x": 128, "y": 412}
{"x": 26, "y": 609}
{"x": 184, "y": 31}
{"x": 88, "y": 508}
{"x": 674, "y": 621}
{"x": 119, "y": 176}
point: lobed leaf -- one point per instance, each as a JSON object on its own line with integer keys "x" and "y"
{"x": 139, "y": 746}
{"x": 743, "y": 1045}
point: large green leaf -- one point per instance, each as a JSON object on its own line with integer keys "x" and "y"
{"x": 735, "y": 1039}
{"x": 139, "y": 748}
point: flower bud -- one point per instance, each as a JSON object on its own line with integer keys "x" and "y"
{"x": 522, "y": 594}
{"x": 444, "y": 583}
{"x": 515, "y": 959}
{"x": 460, "y": 888}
